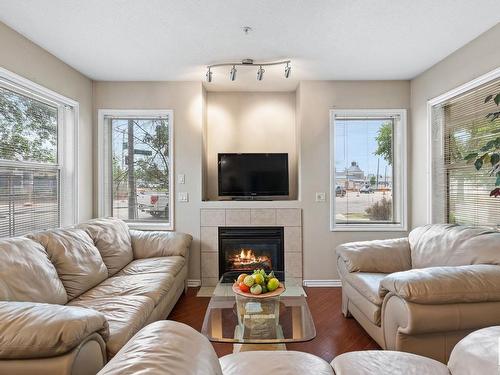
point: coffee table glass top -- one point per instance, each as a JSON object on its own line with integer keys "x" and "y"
{"x": 238, "y": 319}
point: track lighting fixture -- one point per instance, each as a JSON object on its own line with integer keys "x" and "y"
{"x": 249, "y": 62}
{"x": 260, "y": 73}
{"x": 287, "y": 70}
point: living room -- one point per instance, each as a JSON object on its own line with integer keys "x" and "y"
{"x": 320, "y": 199}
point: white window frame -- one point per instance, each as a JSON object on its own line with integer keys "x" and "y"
{"x": 103, "y": 203}
{"x": 401, "y": 153}
{"x": 67, "y": 139}
{"x": 479, "y": 81}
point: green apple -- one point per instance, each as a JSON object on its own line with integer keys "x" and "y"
{"x": 248, "y": 281}
{"x": 256, "y": 289}
{"x": 273, "y": 284}
{"x": 259, "y": 279}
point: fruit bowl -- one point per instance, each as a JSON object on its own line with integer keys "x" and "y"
{"x": 274, "y": 293}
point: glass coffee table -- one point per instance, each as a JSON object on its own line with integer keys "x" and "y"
{"x": 233, "y": 318}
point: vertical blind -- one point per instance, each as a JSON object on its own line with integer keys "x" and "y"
{"x": 460, "y": 127}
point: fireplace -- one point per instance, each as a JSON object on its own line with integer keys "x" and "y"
{"x": 244, "y": 249}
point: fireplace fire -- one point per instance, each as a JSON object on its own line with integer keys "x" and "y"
{"x": 246, "y": 260}
{"x": 244, "y": 249}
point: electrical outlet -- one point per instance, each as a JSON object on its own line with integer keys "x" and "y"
{"x": 181, "y": 178}
{"x": 320, "y": 197}
{"x": 183, "y": 196}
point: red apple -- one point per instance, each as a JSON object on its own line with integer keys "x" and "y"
{"x": 244, "y": 288}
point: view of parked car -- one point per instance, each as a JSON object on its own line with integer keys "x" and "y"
{"x": 366, "y": 189}
{"x": 154, "y": 203}
{"x": 339, "y": 191}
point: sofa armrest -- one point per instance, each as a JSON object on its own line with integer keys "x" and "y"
{"x": 444, "y": 285}
{"x": 153, "y": 244}
{"x": 379, "y": 256}
{"x": 39, "y": 330}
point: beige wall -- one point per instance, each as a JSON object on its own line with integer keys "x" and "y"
{"x": 28, "y": 60}
{"x": 186, "y": 100}
{"x": 315, "y": 99}
{"x": 471, "y": 61}
{"x": 250, "y": 122}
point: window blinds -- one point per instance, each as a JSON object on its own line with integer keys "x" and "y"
{"x": 461, "y": 194}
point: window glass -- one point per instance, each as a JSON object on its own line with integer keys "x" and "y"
{"x": 141, "y": 169}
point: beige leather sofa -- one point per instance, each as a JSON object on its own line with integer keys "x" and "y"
{"x": 477, "y": 353}
{"x": 71, "y": 298}
{"x": 172, "y": 348}
{"x": 424, "y": 293}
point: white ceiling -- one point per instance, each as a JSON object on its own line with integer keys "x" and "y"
{"x": 325, "y": 39}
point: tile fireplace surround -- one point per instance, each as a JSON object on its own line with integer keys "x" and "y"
{"x": 211, "y": 219}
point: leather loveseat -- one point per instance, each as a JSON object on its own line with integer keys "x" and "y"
{"x": 71, "y": 298}
{"x": 424, "y": 293}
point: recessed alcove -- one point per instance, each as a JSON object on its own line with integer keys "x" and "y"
{"x": 248, "y": 122}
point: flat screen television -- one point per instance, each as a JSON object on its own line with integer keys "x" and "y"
{"x": 253, "y": 175}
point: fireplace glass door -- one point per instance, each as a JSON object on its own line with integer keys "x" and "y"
{"x": 244, "y": 249}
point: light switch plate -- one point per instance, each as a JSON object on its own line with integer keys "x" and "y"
{"x": 183, "y": 196}
{"x": 320, "y": 197}
{"x": 181, "y": 178}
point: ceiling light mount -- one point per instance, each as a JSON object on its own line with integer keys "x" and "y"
{"x": 246, "y": 63}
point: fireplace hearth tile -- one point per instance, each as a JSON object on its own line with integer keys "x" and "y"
{"x": 212, "y": 218}
{"x": 263, "y": 216}
{"x": 210, "y": 265}
{"x": 209, "y": 238}
{"x": 293, "y": 239}
{"x": 209, "y": 281}
{"x": 293, "y": 264}
{"x": 237, "y": 217}
{"x": 288, "y": 217}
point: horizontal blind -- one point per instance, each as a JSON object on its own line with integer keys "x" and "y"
{"x": 460, "y": 127}
{"x": 29, "y": 200}
{"x": 29, "y": 162}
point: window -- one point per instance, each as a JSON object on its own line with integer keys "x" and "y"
{"x": 136, "y": 173}
{"x": 368, "y": 169}
{"x": 37, "y": 157}
{"x": 465, "y": 146}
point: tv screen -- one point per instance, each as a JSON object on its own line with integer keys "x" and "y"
{"x": 253, "y": 174}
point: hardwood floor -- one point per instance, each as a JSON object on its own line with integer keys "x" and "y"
{"x": 334, "y": 334}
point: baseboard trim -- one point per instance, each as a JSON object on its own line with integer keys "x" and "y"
{"x": 193, "y": 283}
{"x": 322, "y": 283}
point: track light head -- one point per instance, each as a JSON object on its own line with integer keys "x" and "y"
{"x": 232, "y": 74}
{"x": 288, "y": 70}
{"x": 260, "y": 73}
{"x": 209, "y": 75}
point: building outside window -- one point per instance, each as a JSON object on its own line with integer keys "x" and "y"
{"x": 368, "y": 169}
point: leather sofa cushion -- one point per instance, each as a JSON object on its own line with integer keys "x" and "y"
{"x": 152, "y": 285}
{"x": 378, "y": 362}
{"x": 275, "y": 363}
{"x": 367, "y": 284}
{"x": 442, "y": 285}
{"x": 111, "y": 236}
{"x": 153, "y": 244}
{"x": 76, "y": 259}
{"x": 477, "y": 353}
{"x": 26, "y": 273}
{"x": 369, "y": 309}
{"x": 165, "y": 348}
{"x": 126, "y": 315}
{"x": 453, "y": 245}
{"x": 378, "y": 256}
{"x": 170, "y": 265}
{"x": 38, "y": 330}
